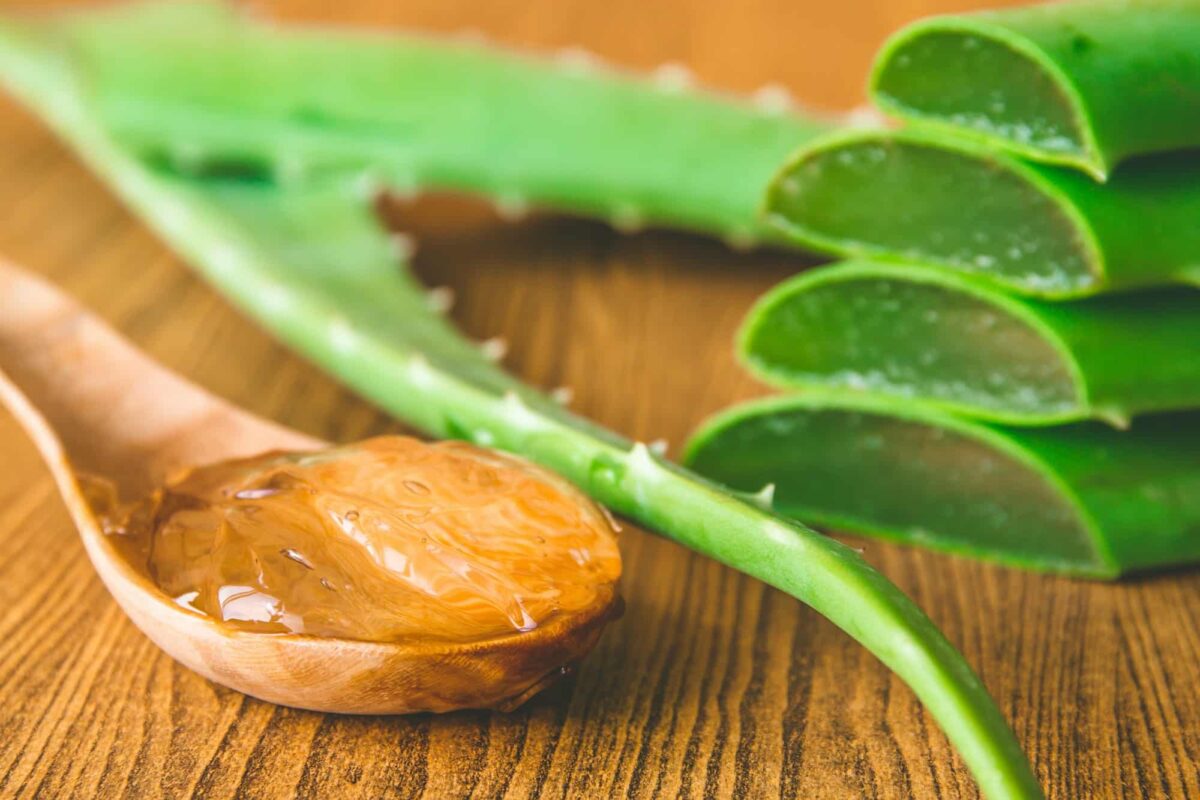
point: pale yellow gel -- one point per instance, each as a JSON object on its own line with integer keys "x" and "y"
{"x": 390, "y": 539}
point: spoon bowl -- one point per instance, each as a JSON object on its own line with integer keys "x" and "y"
{"x": 95, "y": 406}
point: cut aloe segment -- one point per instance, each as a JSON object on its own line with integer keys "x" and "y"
{"x": 315, "y": 268}
{"x": 566, "y": 134}
{"x": 956, "y": 343}
{"x": 1081, "y": 499}
{"x": 1086, "y": 84}
{"x": 921, "y": 197}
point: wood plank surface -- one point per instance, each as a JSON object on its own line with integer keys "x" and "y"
{"x": 711, "y": 685}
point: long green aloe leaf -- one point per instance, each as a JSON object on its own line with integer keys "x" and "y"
{"x": 1086, "y": 83}
{"x": 242, "y": 94}
{"x": 918, "y": 196}
{"x": 315, "y": 268}
{"x": 1081, "y": 499}
{"x": 958, "y": 344}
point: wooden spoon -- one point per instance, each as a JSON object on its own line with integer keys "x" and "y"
{"x": 91, "y": 402}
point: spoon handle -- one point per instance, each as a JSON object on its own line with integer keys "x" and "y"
{"x": 65, "y": 373}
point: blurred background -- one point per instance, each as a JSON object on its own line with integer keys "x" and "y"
{"x": 819, "y": 50}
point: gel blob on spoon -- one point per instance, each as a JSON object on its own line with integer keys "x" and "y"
{"x": 387, "y": 540}
{"x": 391, "y": 576}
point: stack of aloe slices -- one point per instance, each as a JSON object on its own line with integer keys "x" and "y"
{"x": 974, "y": 380}
{"x": 266, "y": 201}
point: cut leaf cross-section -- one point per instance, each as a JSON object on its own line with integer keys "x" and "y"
{"x": 916, "y": 333}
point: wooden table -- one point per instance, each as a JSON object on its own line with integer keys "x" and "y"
{"x": 711, "y": 685}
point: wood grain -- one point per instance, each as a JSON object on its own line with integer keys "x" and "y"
{"x": 711, "y": 685}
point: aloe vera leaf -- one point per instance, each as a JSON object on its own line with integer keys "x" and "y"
{"x": 567, "y": 135}
{"x": 1080, "y": 499}
{"x": 1033, "y": 229}
{"x": 960, "y": 345}
{"x": 318, "y": 271}
{"x": 1085, "y": 84}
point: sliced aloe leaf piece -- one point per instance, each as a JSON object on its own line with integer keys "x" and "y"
{"x": 566, "y": 134}
{"x": 918, "y": 196}
{"x": 1086, "y": 84}
{"x": 959, "y": 344}
{"x": 1081, "y": 499}
{"x": 315, "y": 268}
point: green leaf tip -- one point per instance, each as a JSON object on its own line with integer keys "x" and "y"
{"x": 1078, "y": 499}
